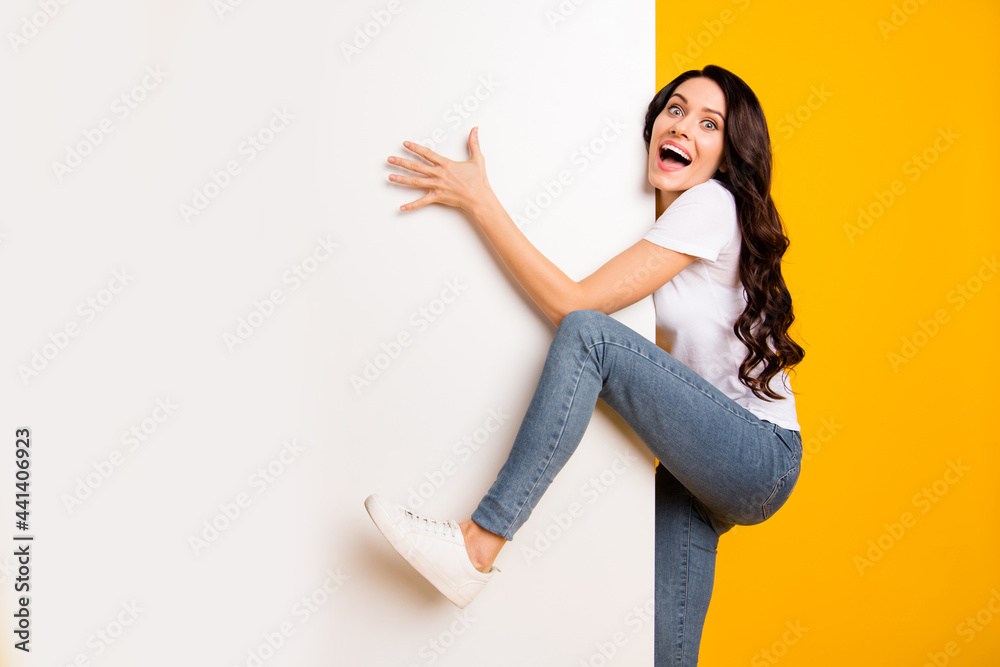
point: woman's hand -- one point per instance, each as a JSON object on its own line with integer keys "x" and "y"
{"x": 461, "y": 184}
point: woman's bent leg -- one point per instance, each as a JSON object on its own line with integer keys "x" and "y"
{"x": 739, "y": 467}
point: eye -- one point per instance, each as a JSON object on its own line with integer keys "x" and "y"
{"x": 710, "y": 124}
{"x": 671, "y": 108}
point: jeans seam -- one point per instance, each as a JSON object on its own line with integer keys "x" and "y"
{"x": 687, "y": 572}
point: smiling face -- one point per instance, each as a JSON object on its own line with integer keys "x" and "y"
{"x": 687, "y": 139}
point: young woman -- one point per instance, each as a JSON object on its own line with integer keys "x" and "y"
{"x": 711, "y": 399}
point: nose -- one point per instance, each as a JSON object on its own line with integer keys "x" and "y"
{"x": 680, "y": 127}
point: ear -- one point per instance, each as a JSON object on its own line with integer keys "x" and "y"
{"x": 722, "y": 167}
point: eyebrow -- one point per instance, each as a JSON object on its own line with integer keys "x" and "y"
{"x": 703, "y": 108}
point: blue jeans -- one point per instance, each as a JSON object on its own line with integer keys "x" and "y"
{"x": 719, "y": 465}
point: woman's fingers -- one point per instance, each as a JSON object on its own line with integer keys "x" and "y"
{"x": 425, "y": 153}
{"x": 448, "y": 182}
{"x": 417, "y": 203}
{"x": 415, "y": 181}
{"x": 412, "y": 165}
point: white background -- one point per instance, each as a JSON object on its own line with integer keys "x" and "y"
{"x": 114, "y": 515}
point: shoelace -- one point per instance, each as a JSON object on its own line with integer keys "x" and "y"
{"x": 447, "y": 528}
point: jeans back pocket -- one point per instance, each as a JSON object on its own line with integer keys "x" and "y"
{"x": 786, "y": 483}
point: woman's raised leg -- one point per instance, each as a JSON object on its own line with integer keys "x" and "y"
{"x": 739, "y": 467}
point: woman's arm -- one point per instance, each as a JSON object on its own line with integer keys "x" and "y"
{"x": 625, "y": 279}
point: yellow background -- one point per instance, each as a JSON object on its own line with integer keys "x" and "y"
{"x": 881, "y": 554}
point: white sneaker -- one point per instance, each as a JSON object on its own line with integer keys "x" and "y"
{"x": 435, "y": 548}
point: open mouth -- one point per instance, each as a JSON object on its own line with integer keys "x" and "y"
{"x": 671, "y": 156}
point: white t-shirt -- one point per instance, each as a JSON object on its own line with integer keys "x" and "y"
{"x": 696, "y": 310}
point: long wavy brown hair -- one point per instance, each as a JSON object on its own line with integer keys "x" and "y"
{"x": 763, "y": 325}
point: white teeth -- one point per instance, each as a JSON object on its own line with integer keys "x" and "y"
{"x": 671, "y": 147}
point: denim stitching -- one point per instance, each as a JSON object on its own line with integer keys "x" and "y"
{"x": 777, "y": 487}
{"x": 687, "y": 572}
